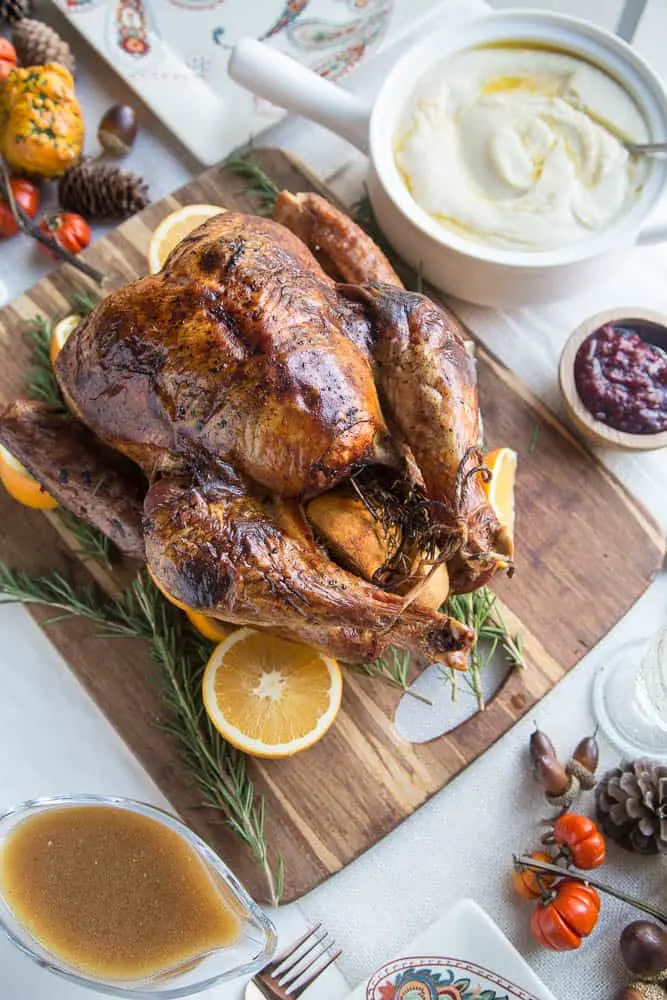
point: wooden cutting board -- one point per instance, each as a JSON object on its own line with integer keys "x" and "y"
{"x": 586, "y": 551}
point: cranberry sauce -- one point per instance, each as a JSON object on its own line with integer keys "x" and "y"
{"x": 621, "y": 377}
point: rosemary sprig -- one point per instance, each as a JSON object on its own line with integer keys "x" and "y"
{"x": 260, "y": 184}
{"x": 84, "y": 302}
{"x": 392, "y": 668}
{"x": 480, "y": 611}
{"x": 55, "y": 591}
{"x": 40, "y": 379}
{"x": 219, "y": 771}
{"x": 92, "y": 544}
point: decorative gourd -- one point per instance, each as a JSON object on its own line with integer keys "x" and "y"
{"x": 41, "y": 125}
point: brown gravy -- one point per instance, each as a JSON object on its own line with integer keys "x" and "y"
{"x": 113, "y": 892}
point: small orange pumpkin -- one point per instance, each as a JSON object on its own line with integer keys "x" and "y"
{"x": 526, "y": 882}
{"x": 580, "y": 839}
{"x": 41, "y": 125}
{"x": 567, "y": 914}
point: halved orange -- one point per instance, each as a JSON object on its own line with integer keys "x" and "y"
{"x": 500, "y": 488}
{"x": 211, "y": 628}
{"x": 175, "y": 228}
{"x": 21, "y": 485}
{"x": 61, "y": 331}
{"x": 270, "y": 697}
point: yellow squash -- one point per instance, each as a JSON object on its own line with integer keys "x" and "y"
{"x": 41, "y": 125}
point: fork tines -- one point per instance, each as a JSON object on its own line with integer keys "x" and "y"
{"x": 296, "y": 968}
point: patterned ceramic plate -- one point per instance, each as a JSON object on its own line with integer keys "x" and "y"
{"x": 174, "y": 52}
{"x": 440, "y": 979}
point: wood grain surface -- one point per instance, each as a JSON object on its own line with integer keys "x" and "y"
{"x": 586, "y": 551}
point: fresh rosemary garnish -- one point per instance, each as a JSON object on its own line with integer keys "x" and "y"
{"x": 480, "y": 611}
{"x": 260, "y": 185}
{"x": 40, "y": 379}
{"x": 392, "y": 668}
{"x": 84, "y": 302}
{"x": 92, "y": 545}
{"x": 219, "y": 770}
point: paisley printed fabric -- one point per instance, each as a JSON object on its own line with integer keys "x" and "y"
{"x": 440, "y": 979}
{"x": 175, "y": 52}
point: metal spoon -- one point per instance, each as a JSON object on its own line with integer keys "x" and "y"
{"x": 634, "y": 148}
{"x": 645, "y": 148}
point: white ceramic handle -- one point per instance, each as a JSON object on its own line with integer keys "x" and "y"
{"x": 280, "y": 79}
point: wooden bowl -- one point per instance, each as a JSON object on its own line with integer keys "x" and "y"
{"x": 583, "y": 420}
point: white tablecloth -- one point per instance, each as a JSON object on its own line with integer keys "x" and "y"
{"x": 54, "y": 739}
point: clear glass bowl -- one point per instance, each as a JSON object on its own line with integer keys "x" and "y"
{"x": 246, "y": 955}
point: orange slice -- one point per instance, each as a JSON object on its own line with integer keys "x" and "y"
{"x": 175, "y": 228}
{"x": 60, "y": 333}
{"x": 500, "y": 489}
{"x": 21, "y": 485}
{"x": 270, "y": 697}
{"x": 211, "y": 628}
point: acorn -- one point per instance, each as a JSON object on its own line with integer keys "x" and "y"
{"x": 552, "y": 775}
{"x": 644, "y": 949}
{"x": 584, "y": 761}
{"x": 540, "y": 745}
{"x": 587, "y": 753}
{"x": 117, "y": 130}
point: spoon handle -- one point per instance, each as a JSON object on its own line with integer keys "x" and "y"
{"x": 521, "y": 863}
{"x": 659, "y": 148}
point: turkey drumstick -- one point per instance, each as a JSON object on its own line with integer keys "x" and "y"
{"x": 217, "y": 549}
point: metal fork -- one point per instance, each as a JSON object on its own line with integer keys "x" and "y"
{"x": 283, "y": 978}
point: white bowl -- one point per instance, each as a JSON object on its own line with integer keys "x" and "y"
{"x": 469, "y": 270}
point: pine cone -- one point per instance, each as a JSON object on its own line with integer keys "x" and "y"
{"x": 643, "y": 991}
{"x": 37, "y": 43}
{"x": 632, "y": 805}
{"x": 13, "y": 11}
{"x": 98, "y": 191}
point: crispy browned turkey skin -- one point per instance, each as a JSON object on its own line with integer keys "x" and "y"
{"x": 217, "y": 548}
{"x": 97, "y": 484}
{"x": 252, "y": 374}
{"x": 240, "y": 351}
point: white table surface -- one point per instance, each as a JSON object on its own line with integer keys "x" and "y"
{"x": 54, "y": 739}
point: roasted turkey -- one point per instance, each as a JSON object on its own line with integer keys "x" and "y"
{"x": 275, "y": 366}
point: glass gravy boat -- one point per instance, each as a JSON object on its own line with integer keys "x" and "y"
{"x": 249, "y": 952}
